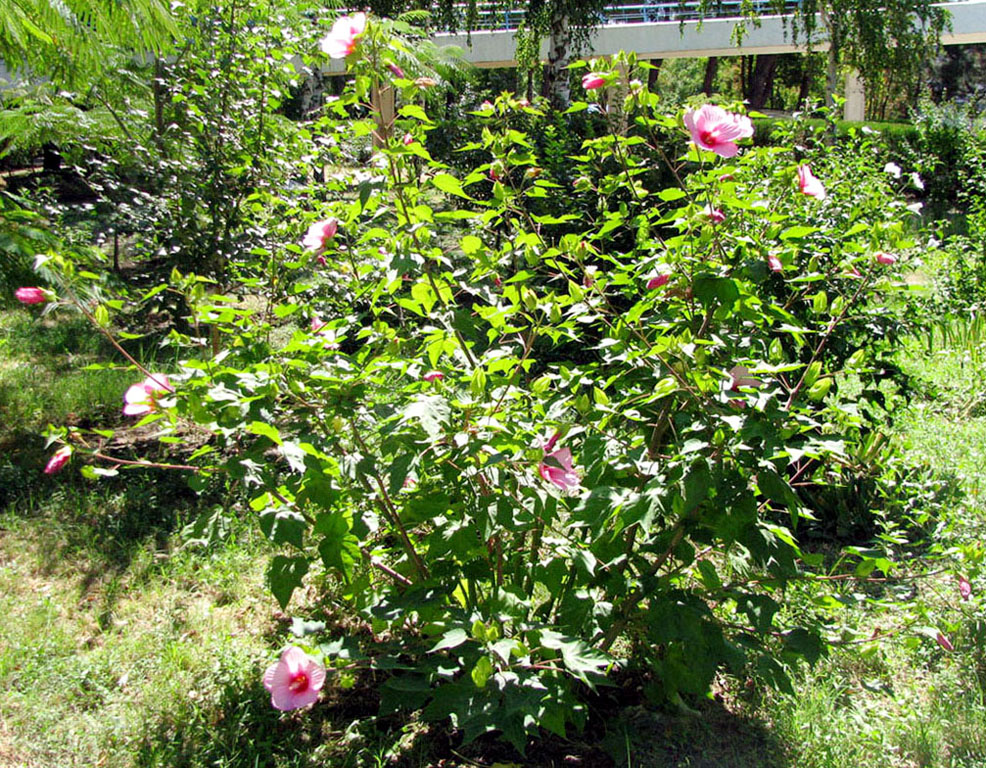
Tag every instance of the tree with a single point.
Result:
(68, 40)
(887, 42)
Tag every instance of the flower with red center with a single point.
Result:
(887, 259)
(320, 234)
(142, 398)
(717, 130)
(965, 588)
(808, 184)
(295, 680)
(556, 467)
(497, 170)
(592, 81)
(774, 263)
(657, 281)
(31, 295)
(345, 33)
(433, 376)
(715, 214)
(58, 460)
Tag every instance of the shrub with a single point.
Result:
(534, 447)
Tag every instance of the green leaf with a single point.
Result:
(451, 639)
(285, 575)
(482, 671)
(449, 184)
(265, 430)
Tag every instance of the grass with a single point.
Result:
(121, 646)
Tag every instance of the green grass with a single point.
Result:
(120, 646)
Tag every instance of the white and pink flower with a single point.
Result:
(143, 398)
(717, 130)
(344, 35)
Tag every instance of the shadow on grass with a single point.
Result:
(96, 528)
(243, 731)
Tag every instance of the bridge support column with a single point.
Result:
(855, 106)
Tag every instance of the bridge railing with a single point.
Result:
(490, 18)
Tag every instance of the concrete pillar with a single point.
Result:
(855, 106)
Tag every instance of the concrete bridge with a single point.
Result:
(665, 30)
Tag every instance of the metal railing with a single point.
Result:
(642, 13)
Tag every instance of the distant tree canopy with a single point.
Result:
(68, 40)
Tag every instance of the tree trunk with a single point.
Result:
(555, 87)
(711, 67)
(760, 84)
(652, 74)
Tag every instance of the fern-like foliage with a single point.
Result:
(67, 40)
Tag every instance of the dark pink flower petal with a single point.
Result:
(31, 295)
(657, 281)
(887, 259)
(58, 460)
(965, 588)
(944, 642)
(433, 376)
(592, 81)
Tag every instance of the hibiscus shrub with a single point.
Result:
(529, 448)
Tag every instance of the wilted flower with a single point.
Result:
(58, 460)
(320, 234)
(944, 642)
(295, 680)
(739, 376)
(556, 467)
(341, 40)
(657, 281)
(433, 376)
(142, 398)
(31, 295)
(887, 259)
(425, 82)
(395, 70)
(715, 129)
(317, 324)
(592, 81)
(809, 184)
(774, 263)
(893, 169)
(965, 588)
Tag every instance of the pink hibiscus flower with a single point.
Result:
(341, 40)
(715, 129)
(295, 680)
(143, 398)
(31, 295)
(809, 184)
(320, 234)
(58, 460)
(556, 467)
(592, 81)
